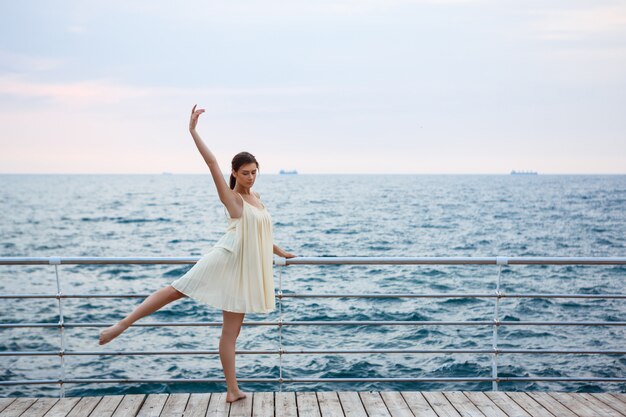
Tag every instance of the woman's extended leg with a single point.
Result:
(151, 304)
(230, 330)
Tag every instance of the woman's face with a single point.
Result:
(246, 175)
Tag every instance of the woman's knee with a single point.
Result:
(231, 331)
(229, 334)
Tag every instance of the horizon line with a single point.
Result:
(311, 173)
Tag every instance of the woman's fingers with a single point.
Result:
(194, 116)
(195, 112)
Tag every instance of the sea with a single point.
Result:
(323, 215)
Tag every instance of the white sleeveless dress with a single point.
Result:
(236, 274)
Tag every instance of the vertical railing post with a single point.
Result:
(500, 260)
(56, 261)
(282, 262)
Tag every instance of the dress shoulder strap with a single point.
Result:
(243, 209)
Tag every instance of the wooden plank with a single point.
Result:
(395, 403)
(440, 404)
(351, 404)
(374, 404)
(175, 405)
(418, 404)
(153, 405)
(41, 406)
(619, 396)
(462, 404)
(307, 404)
(329, 404)
(198, 404)
(531, 406)
(107, 405)
(600, 404)
(84, 407)
(505, 403)
(242, 407)
(17, 407)
(484, 404)
(4, 402)
(218, 406)
(285, 404)
(263, 404)
(62, 407)
(597, 405)
(611, 401)
(130, 405)
(551, 404)
(573, 404)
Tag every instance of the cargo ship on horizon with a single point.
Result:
(514, 172)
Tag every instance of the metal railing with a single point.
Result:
(495, 351)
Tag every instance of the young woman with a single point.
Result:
(236, 275)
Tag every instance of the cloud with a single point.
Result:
(364, 6)
(80, 92)
(203, 11)
(579, 23)
(76, 29)
(16, 62)
(108, 92)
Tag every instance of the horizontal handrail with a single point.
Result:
(335, 323)
(332, 260)
(302, 380)
(347, 295)
(458, 260)
(317, 352)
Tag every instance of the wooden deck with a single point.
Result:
(326, 404)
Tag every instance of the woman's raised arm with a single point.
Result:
(233, 204)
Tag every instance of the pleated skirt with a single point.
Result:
(217, 280)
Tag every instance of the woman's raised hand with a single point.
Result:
(195, 114)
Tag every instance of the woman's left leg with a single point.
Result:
(154, 302)
(230, 330)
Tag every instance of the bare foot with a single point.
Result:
(111, 333)
(234, 396)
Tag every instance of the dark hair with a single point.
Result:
(240, 159)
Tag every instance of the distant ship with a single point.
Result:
(283, 172)
(514, 172)
(166, 173)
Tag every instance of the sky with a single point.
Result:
(324, 86)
